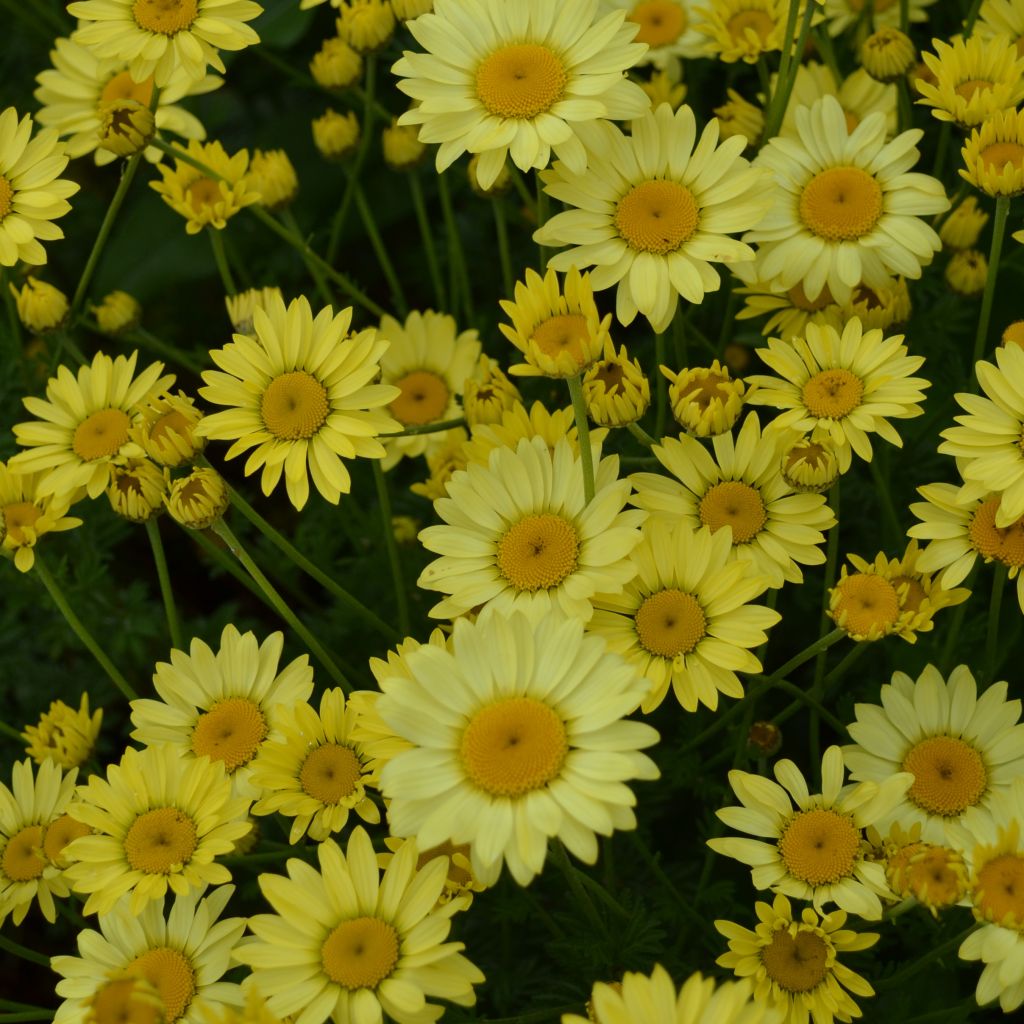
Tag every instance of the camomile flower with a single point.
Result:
(859, 95)
(841, 386)
(183, 957)
(159, 37)
(876, 308)
(811, 847)
(930, 873)
(654, 210)
(918, 591)
(667, 27)
(743, 29)
(517, 78)
(64, 734)
(794, 961)
(844, 14)
(300, 393)
(518, 533)
(789, 308)
(705, 400)
(159, 822)
(25, 515)
(222, 705)
(518, 737)
(868, 604)
(685, 620)
(85, 424)
(347, 943)
(846, 207)
(774, 530)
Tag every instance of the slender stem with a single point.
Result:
(104, 233)
(972, 17)
(884, 492)
(235, 546)
(955, 625)
(998, 230)
(12, 732)
(221, 259)
(384, 500)
(10, 1004)
(17, 949)
(459, 278)
(519, 183)
(428, 428)
(537, 1016)
(77, 627)
(808, 698)
(289, 221)
(569, 872)
(170, 609)
(26, 1015)
(381, 252)
(897, 979)
(427, 238)
(661, 386)
(992, 629)
(831, 562)
(823, 643)
(722, 719)
(640, 434)
(787, 78)
(504, 253)
(905, 112)
(764, 77)
(904, 19)
(823, 42)
(942, 149)
(772, 99)
(141, 337)
(840, 670)
(579, 411)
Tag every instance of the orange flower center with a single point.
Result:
(1003, 543)
(330, 773)
(539, 552)
(123, 87)
(424, 398)
(6, 197)
(101, 435)
(661, 22)
(833, 394)
(18, 517)
(820, 847)
(657, 216)
(736, 505)
(165, 17)
(231, 732)
(520, 81)
(294, 406)
(360, 953)
(160, 841)
(171, 974)
(949, 775)
(999, 891)
(796, 963)
(670, 623)
(841, 204)
(998, 154)
(21, 861)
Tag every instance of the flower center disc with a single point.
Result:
(796, 963)
(1006, 543)
(868, 601)
(20, 862)
(820, 846)
(657, 216)
(935, 877)
(6, 197)
(127, 1001)
(914, 595)
(18, 517)
(538, 552)
(167, 17)
(330, 773)
(61, 832)
(171, 974)
(833, 394)
(670, 623)
(294, 406)
(999, 154)
(971, 86)
(514, 746)
(661, 22)
(231, 731)
(999, 892)
(101, 435)
(520, 81)
(160, 841)
(610, 375)
(736, 505)
(123, 87)
(203, 193)
(758, 22)
(567, 332)
(171, 423)
(841, 204)
(704, 391)
(360, 953)
(949, 775)
(424, 398)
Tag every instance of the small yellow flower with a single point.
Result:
(366, 25)
(460, 884)
(167, 429)
(243, 306)
(405, 529)
(25, 515)
(41, 306)
(63, 734)
(489, 394)
(663, 89)
(402, 147)
(994, 155)
(336, 135)
(117, 312)
(877, 308)
(137, 490)
(963, 227)
(967, 272)
(866, 604)
(810, 465)
(743, 29)
(888, 54)
(336, 65)
(198, 500)
(272, 175)
(738, 116)
(616, 389)
(501, 184)
(706, 401)
(934, 875)
(126, 127)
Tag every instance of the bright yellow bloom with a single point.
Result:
(138, 489)
(858, 94)
(166, 429)
(963, 227)
(743, 29)
(25, 515)
(888, 54)
(41, 306)
(63, 734)
(993, 154)
(336, 135)
(366, 25)
(867, 604)
(488, 394)
(615, 388)
(706, 401)
(118, 311)
(844, 14)
(667, 27)
(198, 500)
(272, 175)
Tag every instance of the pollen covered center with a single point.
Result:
(203, 193)
(934, 876)
(294, 406)
(566, 333)
(796, 963)
(18, 517)
(758, 22)
(661, 22)
(360, 953)
(657, 216)
(514, 746)
(967, 90)
(101, 435)
(123, 87)
(171, 974)
(424, 398)
(538, 552)
(21, 861)
(6, 197)
(231, 731)
(736, 505)
(127, 1001)
(160, 841)
(833, 394)
(841, 204)
(949, 775)
(520, 81)
(866, 602)
(330, 773)
(670, 623)
(820, 846)
(999, 890)
(165, 17)
(1003, 543)
(61, 832)
(999, 154)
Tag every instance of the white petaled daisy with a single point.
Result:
(962, 749)
(815, 849)
(519, 534)
(667, 27)
(654, 210)
(515, 78)
(518, 737)
(774, 529)
(846, 207)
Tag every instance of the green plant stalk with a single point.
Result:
(9, 730)
(786, 55)
(23, 952)
(504, 253)
(26, 1015)
(221, 259)
(428, 428)
(885, 499)
(992, 627)
(787, 79)
(831, 564)
(561, 860)
(222, 530)
(144, 339)
(394, 561)
(804, 697)
(722, 719)
(427, 238)
(641, 435)
(905, 110)
(823, 643)
(166, 593)
(897, 979)
(764, 76)
(579, 411)
(381, 252)
(78, 628)
(289, 221)
(972, 17)
(660, 385)
(537, 1016)
(823, 42)
(904, 20)
(458, 283)
(998, 231)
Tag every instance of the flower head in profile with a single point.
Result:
(64, 734)
(26, 515)
(616, 389)
(706, 401)
(993, 155)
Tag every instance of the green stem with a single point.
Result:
(18, 950)
(942, 149)
(77, 627)
(560, 858)
(222, 530)
(998, 230)
(395, 562)
(786, 56)
(289, 221)
(661, 386)
(427, 239)
(26, 1015)
(170, 609)
(12, 732)
(381, 252)
(579, 411)
(764, 77)
(537, 1016)
(823, 643)
(722, 719)
(141, 337)
(640, 434)
(221, 259)
(897, 979)
(992, 629)
(504, 253)
(972, 17)
(831, 563)
(807, 698)
(884, 493)
(905, 111)
(904, 22)
(458, 284)
(428, 428)
(823, 42)
(787, 77)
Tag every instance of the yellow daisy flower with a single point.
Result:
(359, 945)
(316, 773)
(159, 822)
(510, 78)
(791, 311)
(661, 87)
(198, 500)
(25, 515)
(159, 37)
(32, 196)
(858, 94)
(166, 429)
(242, 307)
(561, 699)
(844, 14)
(183, 957)
(846, 207)
(460, 883)
(616, 389)
(774, 530)
(738, 116)
(794, 961)
(705, 400)
(428, 359)
(869, 605)
(138, 489)
(743, 29)
(225, 704)
(64, 734)
(654, 210)
(919, 591)
(809, 465)
(932, 874)
(1001, 18)
(815, 847)
(876, 308)
(518, 534)
(993, 155)
(84, 426)
(300, 394)
(667, 27)
(488, 394)
(963, 226)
